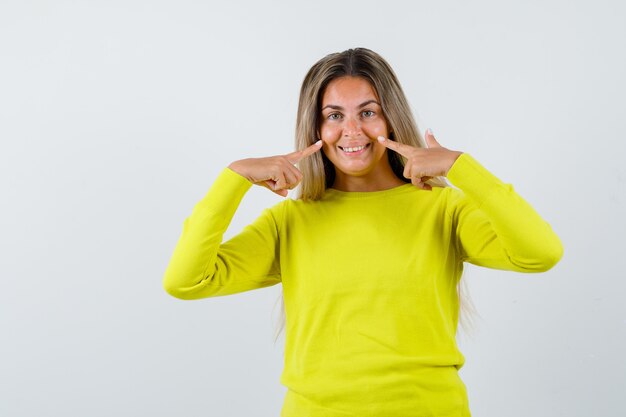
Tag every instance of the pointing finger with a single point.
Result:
(403, 149)
(296, 156)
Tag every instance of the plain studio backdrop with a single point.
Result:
(117, 116)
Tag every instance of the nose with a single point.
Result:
(351, 127)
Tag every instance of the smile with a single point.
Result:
(356, 150)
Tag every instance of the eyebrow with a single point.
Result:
(365, 103)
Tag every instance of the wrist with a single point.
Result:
(454, 158)
(236, 166)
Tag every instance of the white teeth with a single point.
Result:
(358, 148)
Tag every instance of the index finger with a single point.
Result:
(402, 148)
(296, 156)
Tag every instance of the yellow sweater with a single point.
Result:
(369, 283)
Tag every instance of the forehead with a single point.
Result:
(348, 90)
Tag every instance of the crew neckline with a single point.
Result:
(368, 194)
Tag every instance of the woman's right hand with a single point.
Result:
(276, 173)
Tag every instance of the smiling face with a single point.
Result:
(352, 119)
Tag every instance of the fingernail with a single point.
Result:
(381, 139)
(430, 131)
(318, 142)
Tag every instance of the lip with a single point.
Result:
(351, 154)
(353, 145)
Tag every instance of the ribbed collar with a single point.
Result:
(336, 194)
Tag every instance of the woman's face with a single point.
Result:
(352, 119)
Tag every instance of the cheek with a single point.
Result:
(330, 133)
(374, 130)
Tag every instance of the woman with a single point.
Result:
(371, 251)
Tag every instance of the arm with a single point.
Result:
(202, 266)
(495, 227)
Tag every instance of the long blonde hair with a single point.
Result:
(318, 171)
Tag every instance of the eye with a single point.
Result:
(367, 113)
(334, 116)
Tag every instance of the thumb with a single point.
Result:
(271, 185)
(277, 186)
(431, 142)
(283, 193)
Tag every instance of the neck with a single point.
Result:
(376, 180)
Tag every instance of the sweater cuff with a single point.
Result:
(228, 183)
(474, 179)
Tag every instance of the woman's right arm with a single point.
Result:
(201, 265)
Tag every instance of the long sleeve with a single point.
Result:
(202, 266)
(495, 227)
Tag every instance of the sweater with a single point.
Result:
(369, 281)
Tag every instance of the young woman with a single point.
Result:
(370, 253)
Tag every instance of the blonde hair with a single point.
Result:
(318, 171)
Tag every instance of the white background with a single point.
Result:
(116, 117)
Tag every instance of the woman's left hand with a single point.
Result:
(423, 164)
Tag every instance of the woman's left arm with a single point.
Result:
(494, 226)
